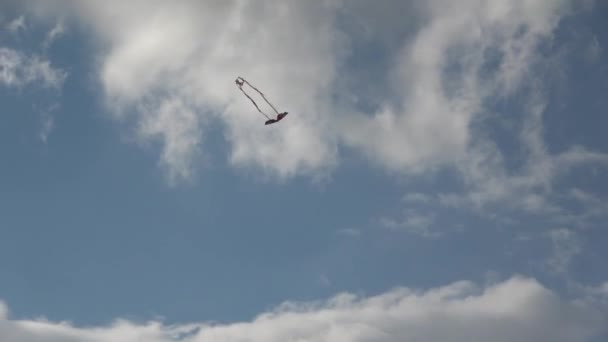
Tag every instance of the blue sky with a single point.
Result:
(441, 164)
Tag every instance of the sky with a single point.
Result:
(441, 175)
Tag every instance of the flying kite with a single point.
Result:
(240, 82)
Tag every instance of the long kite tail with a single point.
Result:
(241, 81)
(255, 104)
(262, 94)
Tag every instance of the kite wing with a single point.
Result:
(279, 118)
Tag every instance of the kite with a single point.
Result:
(240, 82)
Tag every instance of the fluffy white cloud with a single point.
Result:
(518, 309)
(158, 53)
(443, 65)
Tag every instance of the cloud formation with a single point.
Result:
(412, 94)
(18, 70)
(566, 245)
(518, 309)
(158, 55)
(439, 71)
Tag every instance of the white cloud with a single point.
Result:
(16, 25)
(415, 223)
(442, 70)
(18, 70)
(518, 309)
(178, 128)
(593, 208)
(416, 197)
(469, 55)
(595, 293)
(190, 53)
(324, 280)
(602, 290)
(47, 125)
(530, 187)
(466, 53)
(349, 232)
(594, 51)
(578, 155)
(566, 245)
(55, 33)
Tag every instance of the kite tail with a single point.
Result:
(241, 81)
(255, 104)
(262, 94)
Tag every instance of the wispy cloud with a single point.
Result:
(566, 244)
(414, 222)
(47, 126)
(417, 197)
(350, 232)
(177, 127)
(18, 70)
(16, 25)
(55, 33)
(450, 75)
(594, 51)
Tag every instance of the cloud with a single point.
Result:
(593, 209)
(594, 51)
(531, 189)
(439, 71)
(349, 232)
(156, 53)
(324, 281)
(415, 223)
(177, 127)
(3, 311)
(18, 70)
(490, 54)
(416, 197)
(47, 123)
(433, 81)
(566, 244)
(16, 25)
(55, 33)
(518, 309)
(600, 291)
(462, 56)
(46, 127)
